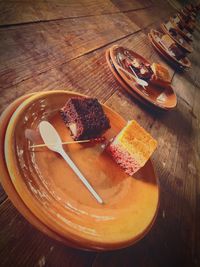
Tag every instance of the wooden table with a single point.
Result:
(46, 45)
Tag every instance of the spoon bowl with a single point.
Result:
(50, 136)
(138, 80)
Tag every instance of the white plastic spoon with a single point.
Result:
(138, 80)
(52, 140)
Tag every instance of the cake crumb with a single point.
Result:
(163, 214)
(42, 261)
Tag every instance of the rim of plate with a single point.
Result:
(36, 209)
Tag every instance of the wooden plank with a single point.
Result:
(95, 85)
(193, 74)
(46, 45)
(186, 81)
(170, 242)
(144, 17)
(195, 111)
(88, 74)
(17, 12)
(176, 4)
(184, 88)
(196, 151)
(49, 51)
(3, 195)
(29, 50)
(174, 239)
(13, 12)
(22, 245)
(93, 76)
(131, 5)
(21, 64)
(176, 164)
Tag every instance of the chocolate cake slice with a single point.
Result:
(85, 118)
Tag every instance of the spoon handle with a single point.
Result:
(80, 175)
(128, 73)
(144, 91)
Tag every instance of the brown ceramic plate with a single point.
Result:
(54, 194)
(121, 81)
(5, 178)
(184, 44)
(184, 33)
(162, 97)
(153, 37)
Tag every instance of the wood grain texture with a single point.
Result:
(25, 246)
(195, 112)
(196, 151)
(2, 194)
(18, 12)
(31, 59)
(143, 18)
(177, 178)
(100, 84)
(93, 76)
(70, 53)
(30, 50)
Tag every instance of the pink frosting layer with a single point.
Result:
(124, 158)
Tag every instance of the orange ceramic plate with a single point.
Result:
(56, 196)
(162, 97)
(5, 178)
(125, 85)
(121, 81)
(185, 46)
(184, 63)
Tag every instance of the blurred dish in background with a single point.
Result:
(166, 46)
(159, 91)
(175, 35)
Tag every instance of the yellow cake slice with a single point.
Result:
(132, 147)
(167, 40)
(160, 75)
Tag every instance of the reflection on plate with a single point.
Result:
(58, 199)
(155, 39)
(151, 93)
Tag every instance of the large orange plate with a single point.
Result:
(55, 195)
(162, 97)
